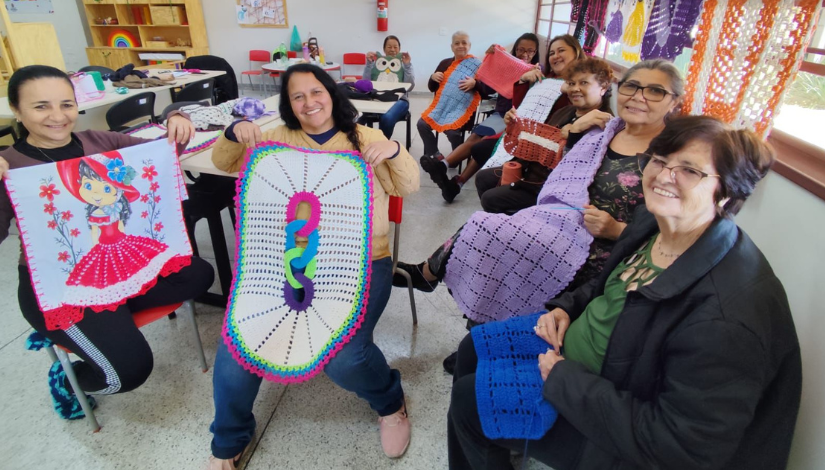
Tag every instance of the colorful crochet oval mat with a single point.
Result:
(202, 140)
(100, 229)
(452, 108)
(303, 259)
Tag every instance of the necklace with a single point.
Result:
(52, 159)
(662, 253)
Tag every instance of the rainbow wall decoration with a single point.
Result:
(123, 38)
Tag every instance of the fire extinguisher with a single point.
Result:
(383, 17)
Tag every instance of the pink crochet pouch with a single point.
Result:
(500, 71)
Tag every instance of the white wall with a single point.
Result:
(350, 26)
(788, 224)
(67, 24)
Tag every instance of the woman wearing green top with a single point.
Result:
(682, 353)
(394, 66)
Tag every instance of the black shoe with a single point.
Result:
(449, 363)
(450, 189)
(416, 273)
(436, 170)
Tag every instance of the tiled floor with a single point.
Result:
(165, 423)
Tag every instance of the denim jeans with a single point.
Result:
(358, 367)
(389, 119)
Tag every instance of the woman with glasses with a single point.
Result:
(681, 354)
(526, 49)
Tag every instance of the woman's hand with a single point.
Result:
(600, 224)
(551, 327)
(546, 363)
(593, 118)
(4, 167)
(377, 152)
(437, 77)
(180, 129)
(372, 56)
(247, 133)
(405, 57)
(490, 49)
(533, 75)
(510, 116)
(565, 131)
(467, 84)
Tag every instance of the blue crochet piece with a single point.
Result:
(453, 105)
(36, 342)
(508, 381)
(65, 403)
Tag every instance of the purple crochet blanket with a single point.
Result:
(668, 31)
(505, 266)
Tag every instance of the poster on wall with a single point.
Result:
(261, 13)
(29, 6)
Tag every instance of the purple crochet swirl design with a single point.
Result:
(668, 31)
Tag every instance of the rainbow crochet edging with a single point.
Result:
(291, 307)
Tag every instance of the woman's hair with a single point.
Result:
(740, 157)
(677, 83)
(28, 73)
(528, 37)
(388, 38)
(344, 113)
(598, 67)
(570, 41)
(86, 171)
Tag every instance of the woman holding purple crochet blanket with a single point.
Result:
(681, 354)
(582, 209)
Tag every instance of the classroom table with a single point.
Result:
(381, 107)
(95, 117)
(277, 67)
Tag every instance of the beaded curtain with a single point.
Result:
(301, 281)
(99, 230)
(745, 55)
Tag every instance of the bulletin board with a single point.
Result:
(261, 13)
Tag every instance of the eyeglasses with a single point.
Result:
(650, 93)
(521, 50)
(685, 177)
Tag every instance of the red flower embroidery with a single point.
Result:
(52, 224)
(75, 232)
(144, 198)
(49, 208)
(63, 256)
(158, 227)
(49, 191)
(144, 214)
(149, 172)
(67, 215)
(157, 199)
(154, 186)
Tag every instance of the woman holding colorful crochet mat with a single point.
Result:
(393, 66)
(318, 117)
(685, 339)
(605, 155)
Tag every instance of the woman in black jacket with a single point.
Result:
(682, 353)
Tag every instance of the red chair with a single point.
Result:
(257, 56)
(395, 215)
(353, 58)
(142, 318)
(291, 55)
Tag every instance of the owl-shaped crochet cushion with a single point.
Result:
(388, 69)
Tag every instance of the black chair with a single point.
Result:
(200, 91)
(97, 68)
(371, 119)
(226, 86)
(131, 109)
(9, 129)
(174, 106)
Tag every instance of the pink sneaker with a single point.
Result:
(395, 433)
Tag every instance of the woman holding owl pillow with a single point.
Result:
(393, 66)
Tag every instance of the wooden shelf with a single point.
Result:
(130, 14)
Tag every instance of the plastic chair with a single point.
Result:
(468, 127)
(142, 318)
(257, 56)
(395, 215)
(131, 109)
(201, 91)
(372, 118)
(174, 106)
(97, 68)
(9, 129)
(353, 58)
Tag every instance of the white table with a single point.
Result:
(95, 117)
(276, 67)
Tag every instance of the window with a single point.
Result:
(553, 18)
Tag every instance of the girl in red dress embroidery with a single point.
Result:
(118, 265)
